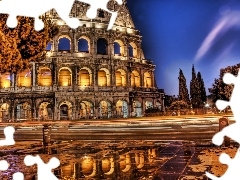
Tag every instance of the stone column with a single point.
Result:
(33, 76)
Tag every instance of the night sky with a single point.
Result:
(179, 33)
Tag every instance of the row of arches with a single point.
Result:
(66, 110)
(85, 78)
(84, 46)
(88, 166)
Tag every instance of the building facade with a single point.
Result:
(89, 72)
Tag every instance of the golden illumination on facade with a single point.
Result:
(86, 109)
(147, 80)
(84, 78)
(121, 79)
(4, 111)
(103, 77)
(65, 77)
(45, 77)
(135, 79)
(24, 79)
(5, 80)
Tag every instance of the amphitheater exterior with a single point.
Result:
(89, 73)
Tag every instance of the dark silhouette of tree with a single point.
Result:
(197, 90)
(201, 95)
(219, 89)
(183, 91)
(193, 88)
(22, 45)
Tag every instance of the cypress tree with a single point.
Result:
(183, 91)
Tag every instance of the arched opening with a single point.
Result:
(86, 110)
(24, 79)
(139, 159)
(88, 166)
(5, 80)
(135, 79)
(125, 162)
(85, 77)
(137, 109)
(24, 111)
(4, 112)
(45, 111)
(65, 110)
(49, 46)
(121, 78)
(132, 50)
(65, 77)
(105, 110)
(64, 44)
(44, 77)
(148, 104)
(103, 77)
(102, 46)
(122, 109)
(83, 45)
(147, 80)
(117, 48)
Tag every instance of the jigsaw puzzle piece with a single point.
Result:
(221, 104)
(232, 131)
(100, 4)
(63, 9)
(44, 170)
(233, 167)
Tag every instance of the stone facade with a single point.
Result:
(89, 73)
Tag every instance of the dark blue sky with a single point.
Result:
(179, 33)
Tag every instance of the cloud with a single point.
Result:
(225, 23)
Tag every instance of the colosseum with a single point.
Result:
(89, 73)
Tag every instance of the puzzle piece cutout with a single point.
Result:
(101, 4)
(44, 171)
(233, 167)
(9, 140)
(232, 131)
(34, 9)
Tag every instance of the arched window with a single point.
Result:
(64, 44)
(83, 45)
(117, 48)
(5, 80)
(49, 46)
(45, 77)
(65, 77)
(102, 78)
(147, 80)
(121, 79)
(102, 46)
(84, 78)
(122, 109)
(24, 79)
(130, 51)
(135, 79)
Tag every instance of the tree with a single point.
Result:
(219, 89)
(193, 88)
(183, 91)
(177, 105)
(22, 45)
(197, 90)
(201, 91)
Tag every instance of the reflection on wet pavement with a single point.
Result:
(119, 160)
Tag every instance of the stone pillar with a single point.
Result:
(143, 106)
(46, 134)
(33, 76)
(142, 78)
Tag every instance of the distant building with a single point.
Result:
(89, 73)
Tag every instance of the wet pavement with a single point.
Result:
(119, 160)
